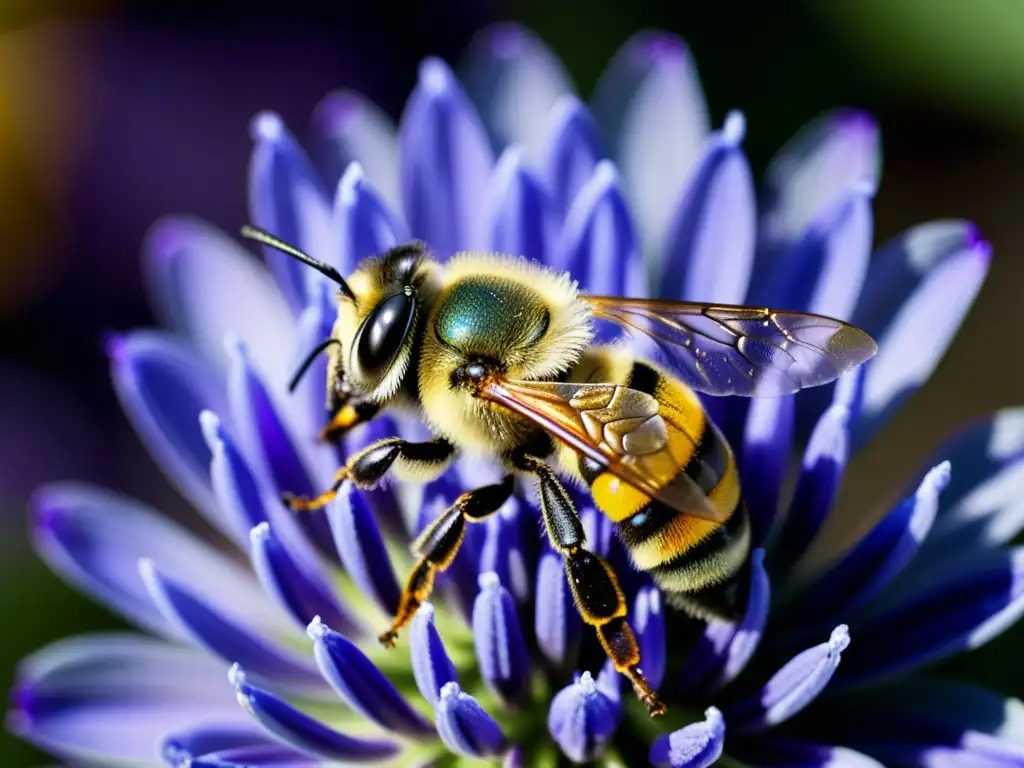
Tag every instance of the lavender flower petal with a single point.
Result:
(299, 587)
(598, 243)
(943, 611)
(878, 558)
(288, 199)
(573, 150)
(515, 80)
(94, 539)
(978, 450)
(823, 270)
(557, 623)
(502, 551)
(115, 696)
(266, 437)
(361, 548)
(225, 631)
(724, 648)
(349, 128)
(773, 753)
(220, 745)
(302, 731)
(238, 496)
(362, 223)
(430, 663)
(597, 529)
(822, 470)
(307, 403)
(240, 500)
(709, 248)
(698, 745)
(763, 458)
(520, 213)
(652, 110)
(188, 263)
(933, 722)
(500, 648)
(359, 683)
(792, 688)
(934, 285)
(649, 626)
(981, 507)
(748, 632)
(465, 728)
(276, 755)
(163, 386)
(445, 161)
(583, 719)
(815, 169)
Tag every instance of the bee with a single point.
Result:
(496, 355)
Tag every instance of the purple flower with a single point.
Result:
(276, 664)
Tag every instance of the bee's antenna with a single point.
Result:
(262, 236)
(314, 353)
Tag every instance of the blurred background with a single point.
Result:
(115, 113)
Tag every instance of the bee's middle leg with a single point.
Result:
(594, 585)
(419, 461)
(438, 545)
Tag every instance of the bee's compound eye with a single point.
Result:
(382, 334)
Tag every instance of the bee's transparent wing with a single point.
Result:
(736, 350)
(549, 406)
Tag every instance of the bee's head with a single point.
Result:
(380, 308)
(378, 328)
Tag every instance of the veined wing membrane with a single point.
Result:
(735, 350)
(549, 406)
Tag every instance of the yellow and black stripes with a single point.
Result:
(686, 554)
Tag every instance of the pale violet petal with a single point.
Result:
(515, 80)
(207, 287)
(572, 150)
(349, 128)
(163, 385)
(917, 294)
(94, 538)
(209, 619)
(650, 104)
(519, 210)
(709, 247)
(115, 697)
(815, 169)
(598, 242)
(288, 199)
(363, 224)
(445, 161)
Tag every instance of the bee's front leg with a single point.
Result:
(419, 461)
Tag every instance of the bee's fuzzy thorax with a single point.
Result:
(478, 426)
(570, 327)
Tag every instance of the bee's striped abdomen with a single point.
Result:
(695, 557)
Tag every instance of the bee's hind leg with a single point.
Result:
(594, 585)
(438, 545)
(419, 461)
